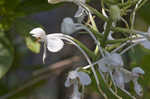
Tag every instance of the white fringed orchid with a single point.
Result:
(110, 63)
(51, 41)
(74, 78)
(83, 77)
(127, 76)
(134, 76)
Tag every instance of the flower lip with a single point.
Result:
(54, 43)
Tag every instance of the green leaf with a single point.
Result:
(32, 45)
(1, 2)
(11, 4)
(136, 54)
(24, 26)
(6, 55)
(144, 12)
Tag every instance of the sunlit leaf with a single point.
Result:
(32, 45)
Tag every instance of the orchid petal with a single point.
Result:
(115, 60)
(44, 53)
(138, 70)
(84, 78)
(148, 29)
(102, 67)
(146, 44)
(38, 32)
(73, 75)
(76, 94)
(67, 82)
(79, 12)
(138, 89)
(127, 76)
(119, 79)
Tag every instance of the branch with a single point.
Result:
(56, 68)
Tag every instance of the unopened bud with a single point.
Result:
(115, 12)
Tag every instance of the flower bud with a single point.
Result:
(115, 13)
(67, 26)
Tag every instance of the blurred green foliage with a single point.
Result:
(12, 17)
(13, 25)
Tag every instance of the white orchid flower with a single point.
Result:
(83, 77)
(74, 78)
(52, 42)
(133, 76)
(109, 64)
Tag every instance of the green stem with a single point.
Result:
(96, 33)
(87, 50)
(97, 13)
(117, 41)
(106, 32)
(142, 4)
(124, 30)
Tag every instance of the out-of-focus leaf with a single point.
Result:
(145, 82)
(23, 27)
(32, 45)
(1, 2)
(137, 53)
(6, 56)
(11, 4)
(144, 12)
(34, 6)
